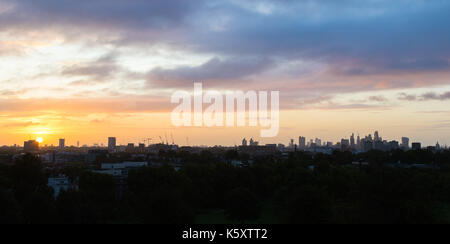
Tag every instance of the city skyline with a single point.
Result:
(354, 141)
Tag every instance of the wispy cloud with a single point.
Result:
(214, 72)
(425, 97)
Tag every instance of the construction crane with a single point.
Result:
(167, 141)
(162, 141)
(173, 141)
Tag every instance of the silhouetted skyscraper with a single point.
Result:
(358, 142)
(244, 142)
(405, 143)
(352, 140)
(111, 143)
(302, 142)
(130, 148)
(62, 143)
(318, 142)
(31, 146)
(376, 136)
(292, 144)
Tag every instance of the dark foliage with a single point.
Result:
(333, 191)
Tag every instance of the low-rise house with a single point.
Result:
(120, 169)
(61, 183)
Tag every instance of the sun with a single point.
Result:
(39, 139)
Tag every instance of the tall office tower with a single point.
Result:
(244, 142)
(31, 146)
(358, 142)
(352, 140)
(302, 142)
(130, 148)
(112, 143)
(62, 143)
(318, 142)
(376, 136)
(292, 144)
(141, 147)
(405, 142)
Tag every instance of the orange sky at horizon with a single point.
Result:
(329, 125)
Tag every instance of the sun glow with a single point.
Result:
(39, 139)
(41, 131)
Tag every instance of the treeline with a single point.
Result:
(332, 191)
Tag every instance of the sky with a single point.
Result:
(87, 70)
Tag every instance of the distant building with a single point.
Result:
(253, 143)
(31, 146)
(358, 142)
(112, 143)
(291, 144)
(130, 148)
(120, 169)
(379, 145)
(416, 146)
(94, 154)
(61, 183)
(244, 142)
(345, 144)
(62, 143)
(352, 141)
(141, 147)
(302, 142)
(318, 142)
(367, 144)
(393, 145)
(405, 143)
(431, 148)
(377, 136)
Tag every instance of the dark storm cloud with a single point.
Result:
(401, 38)
(134, 14)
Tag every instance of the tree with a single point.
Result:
(27, 176)
(9, 208)
(308, 205)
(242, 205)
